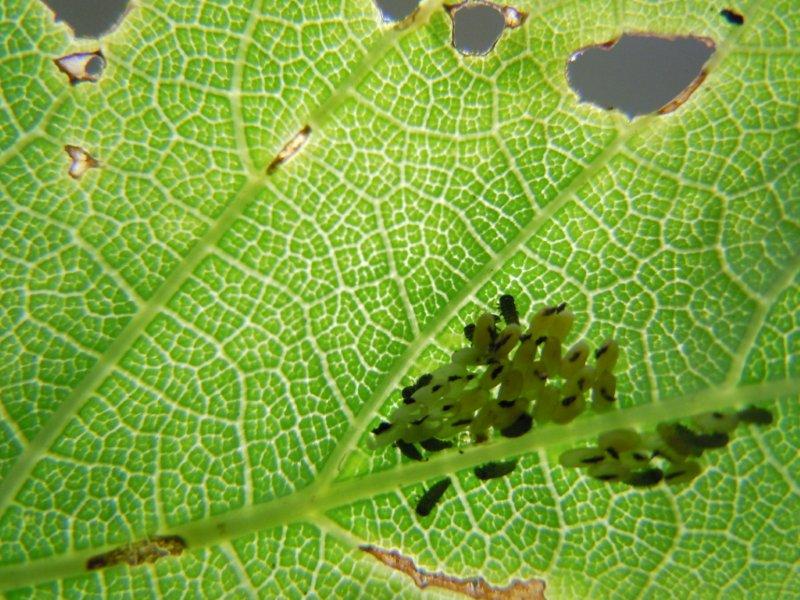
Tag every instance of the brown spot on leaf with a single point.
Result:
(146, 551)
(82, 161)
(292, 147)
(82, 66)
(473, 587)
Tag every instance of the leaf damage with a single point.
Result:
(472, 587)
(82, 161)
(82, 66)
(291, 148)
(146, 551)
(477, 26)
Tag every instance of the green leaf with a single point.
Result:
(193, 347)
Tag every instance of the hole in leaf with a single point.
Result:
(478, 25)
(638, 74)
(82, 161)
(732, 17)
(82, 66)
(145, 551)
(393, 11)
(473, 587)
(89, 18)
(290, 149)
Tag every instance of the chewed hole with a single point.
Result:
(639, 74)
(82, 66)
(393, 11)
(478, 25)
(89, 18)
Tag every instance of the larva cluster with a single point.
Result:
(668, 454)
(504, 380)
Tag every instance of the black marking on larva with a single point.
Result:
(408, 400)
(613, 452)
(601, 350)
(645, 478)
(540, 340)
(606, 395)
(407, 392)
(431, 496)
(568, 400)
(492, 470)
(519, 427)
(499, 343)
(561, 307)
(574, 356)
(436, 388)
(508, 309)
(753, 414)
(593, 460)
(550, 311)
(424, 380)
(454, 378)
(540, 374)
(496, 372)
(525, 337)
(506, 403)
(462, 422)
(673, 475)
(383, 426)
(711, 440)
(469, 331)
(731, 16)
(409, 450)
(435, 444)
(607, 477)
(470, 376)
(419, 421)
(447, 407)
(639, 456)
(718, 415)
(582, 383)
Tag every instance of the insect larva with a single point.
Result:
(679, 438)
(562, 323)
(581, 457)
(435, 444)
(604, 391)
(484, 333)
(608, 471)
(506, 341)
(508, 309)
(716, 422)
(622, 440)
(551, 355)
(519, 427)
(574, 360)
(753, 414)
(645, 478)
(606, 356)
(493, 470)
(431, 496)
(409, 450)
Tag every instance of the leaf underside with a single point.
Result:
(190, 346)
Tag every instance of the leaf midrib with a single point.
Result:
(311, 502)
